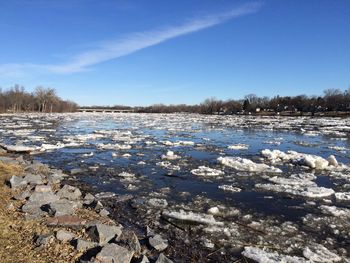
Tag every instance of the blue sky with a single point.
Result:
(107, 52)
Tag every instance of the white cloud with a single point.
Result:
(128, 45)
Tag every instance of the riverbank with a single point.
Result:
(43, 219)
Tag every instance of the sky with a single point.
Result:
(142, 52)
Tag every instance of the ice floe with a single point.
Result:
(192, 217)
(335, 211)
(229, 188)
(262, 256)
(242, 164)
(296, 158)
(207, 171)
(239, 146)
(320, 254)
(345, 196)
(170, 155)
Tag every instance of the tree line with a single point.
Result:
(17, 99)
(333, 100)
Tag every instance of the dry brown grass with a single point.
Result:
(7, 170)
(16, 234)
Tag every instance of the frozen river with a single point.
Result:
(244, 183)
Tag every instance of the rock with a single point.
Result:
(43, 240)
(33, 179)
(163, 259)
(37, 168)
(8, 160)
(88, 199)
(83, 245)
(112, 253)
(32, 210)
(64, 236)
(69, 192)
(102, 233)
(20, 159)
(54, 178)
(122, 198)
(22, 196)
(97, 206)
(104, 212)
(129, 240)
(43, 188)
(158, 243)
(149, 232)
(43, 198)
(62, 207)
(66, 221)
(17, 181)
(143, 259)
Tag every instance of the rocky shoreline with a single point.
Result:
(79, 219)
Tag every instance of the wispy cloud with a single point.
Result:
(130, 44)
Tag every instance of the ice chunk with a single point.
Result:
(320, 254)
(242, 164)
(126, 175)
(170, 155)
(262, 256)
(47, 147)
(332, 161)
(309, 160)
(298, 190)
(335, 211)
(206, 171)
(239, 146)
(20, 148)
(213, 210)
(192, 217)
(169, 165)
(229, 188)
(343, 196)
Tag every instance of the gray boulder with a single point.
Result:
(102, 233)
(8, 160)
(64, 236)
(69, 192)
(158, 243)
(112, 253)
(17, 181)
(83, 245)
(41, 188)
(44, 240)
(62, 207)
(163, 259)
(33, 210)
(129, 240)
(88, 199)
(54, 178)
(22, 196)
(33, 179)
(104, 212)
(143, 259)
(43, 198)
